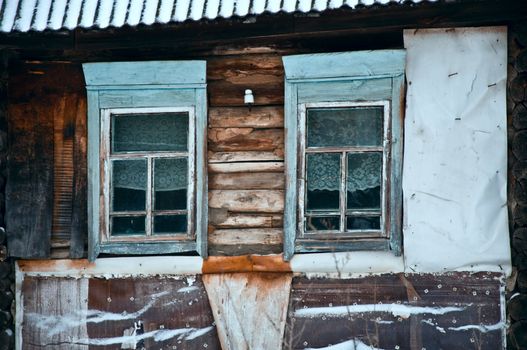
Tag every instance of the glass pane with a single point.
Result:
(363, 223)
(323, 181)
(129, 185)
(364, 180)
(170, 183)
(128, 225)
(338, 127)
(150, 132)
(170, 224)
(322, 223)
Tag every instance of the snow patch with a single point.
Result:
(353, 344)
(397, 310)
(481, 328)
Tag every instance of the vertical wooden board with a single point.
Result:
(410, 311)
(54, 313)
(29, 188)
(201, 173)
(249, 308)
(94, 175)
(79, 218)
(174, 312)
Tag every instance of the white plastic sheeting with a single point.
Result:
(455, 158)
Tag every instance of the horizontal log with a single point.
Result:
(248, 201)
(246, 181)
(519, 144)
(248, 156)
(270, 167)
(222, 218)
(519, 117)
(245, 139)
(246, 237)
(243, 117)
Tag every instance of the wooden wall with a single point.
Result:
(47, 127)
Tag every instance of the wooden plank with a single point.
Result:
(353, 90)
(259, 321)
(247, 181)
(228, 77)
(201, 173)
(271, 167)
(174, 313)
(146, 98)
(249, 236)
(248, 201)
(245, 139)
(79, 216)
(145, 73)
(291, 149)
(243, 117)
(222, 218)
(29, 188)
(406, 311)
(249, 156)
(54, 313)
(94, 175)
(345, 64)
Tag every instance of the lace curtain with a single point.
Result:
(170, 174)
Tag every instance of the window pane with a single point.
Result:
(150, 132)
(338, 127)
(322, 223)
(129, 179)
(323, 181)
(128, 225)
(363, 223)
(170, 224)
(364, 180)
(170, 183)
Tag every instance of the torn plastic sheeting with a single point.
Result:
(454, 177)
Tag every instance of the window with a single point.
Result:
(147, 188)
(343, 151)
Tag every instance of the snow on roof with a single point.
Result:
(39, 15)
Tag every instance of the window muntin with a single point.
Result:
(343, 157)
(148, 159)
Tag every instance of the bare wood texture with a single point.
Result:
(259, 321)
(228, 77)
(248, 236)
(221, 218)
(246, 167)
(246, 139)
(240, 117)
(261, 201)
(229, 157)
(246, 181)
(29, 189)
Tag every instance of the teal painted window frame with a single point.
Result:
(145, 87)
(342, 78)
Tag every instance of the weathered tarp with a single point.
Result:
(455, 158)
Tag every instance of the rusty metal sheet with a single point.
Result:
(168, 314)
(121, 313)
(413, 311)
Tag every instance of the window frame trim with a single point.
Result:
(301, 180)
(105, 177)
(344, 76)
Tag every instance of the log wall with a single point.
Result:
(517, 111)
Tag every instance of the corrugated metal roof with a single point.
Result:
(39, 15)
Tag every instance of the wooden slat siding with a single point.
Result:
(162, 304)
(260, 117)
(29, 188)
(201, 174)
(246, 181)
(247, 156)
(93, 186)
(64, 119)
(248, 201)
(64, 300)
(79, 218)
(396, 210)
(228, 77)
(246, 139)
(477, 296)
